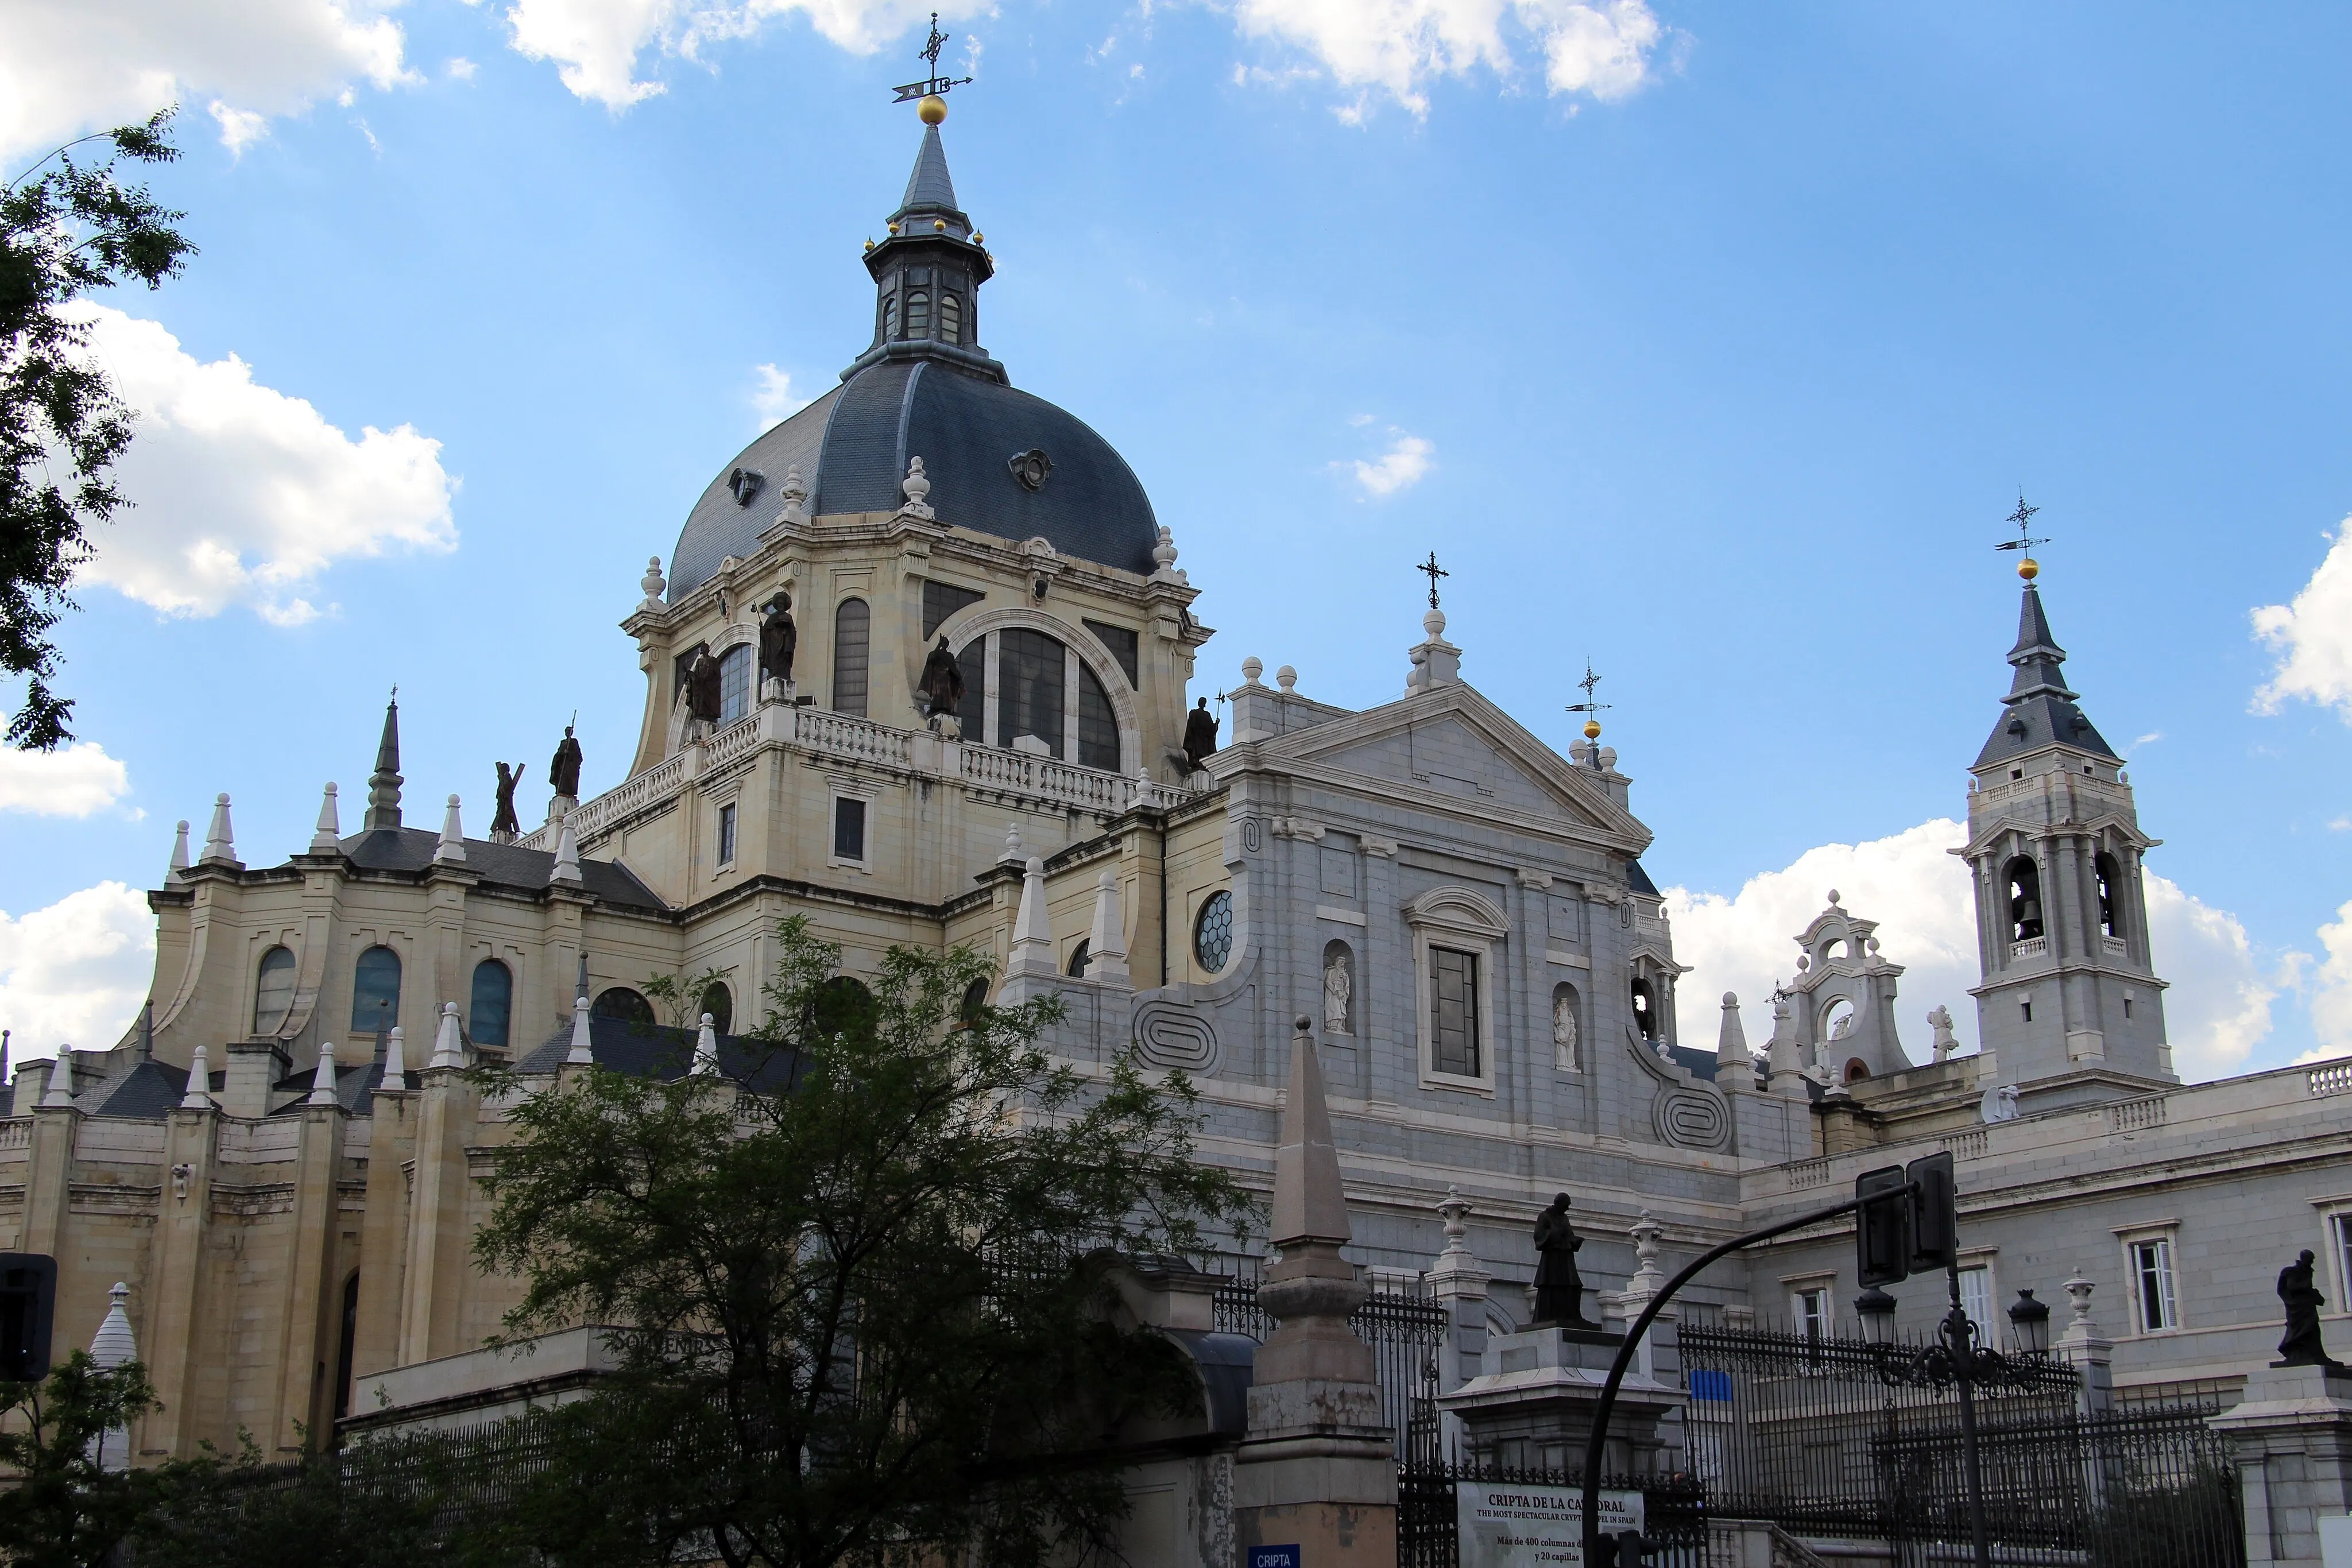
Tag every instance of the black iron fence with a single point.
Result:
(1407, 1333)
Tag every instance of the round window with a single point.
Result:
(1213, 931)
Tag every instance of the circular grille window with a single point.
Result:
(1213, 932)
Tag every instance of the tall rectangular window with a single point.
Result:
(734, 684)
(727, 834)
(851, 624)
(848, 829)
(1029, 668)
(1454, 1011)
(2341, 1226)
(1810, 1309)
(2152, 1282)
(1976, 1300)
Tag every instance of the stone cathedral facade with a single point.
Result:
(282, 1164)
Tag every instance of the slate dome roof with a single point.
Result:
(852, 446)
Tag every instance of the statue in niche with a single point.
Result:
(2302, 1347)
(1559, 1289)
(1563, 1031)
(705, 697)
(1336, 987)
(942, 682)
(503, 820)
(563, 772)
(779, 639)
(1200, 736)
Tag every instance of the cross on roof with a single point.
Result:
(1434, 571)
(2021, 516)
(933, 85)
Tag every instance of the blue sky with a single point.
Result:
(1711, 343)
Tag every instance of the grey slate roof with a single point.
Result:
(1639, 880)
(411, 850)
(144, 1091)
(657, 1051)
(927, 185)
(2040, 709)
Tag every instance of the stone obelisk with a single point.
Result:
(1317, 1471)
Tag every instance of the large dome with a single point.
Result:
(852, 447)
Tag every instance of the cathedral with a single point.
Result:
(918, 669)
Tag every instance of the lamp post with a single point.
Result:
(1958, 1361)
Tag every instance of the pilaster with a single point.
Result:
(176, 1272)
(48, 1176)
(383, 1230)
(438, 1235)
(305, 1333)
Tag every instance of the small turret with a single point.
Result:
(383, 784)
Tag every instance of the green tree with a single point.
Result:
(61, 1508)
(68, 227)
(370, 1505)
(864, 1289)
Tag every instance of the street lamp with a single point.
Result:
(2029, 1321)
(1875, 1308)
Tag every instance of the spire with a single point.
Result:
(179, 853)
(111, 1346)
(383, 784)
(395, 1065)
(329, 836)
(322, 1081)
(1032, 932)
(567, 857)
(583, 1053)
(1308, 1205)
(926, 275)
(451, 849)
(1735, 1069)
(220, 842)
(2041, 708)
(199, 1096)
(705, 1050)
(448, 1046)
(929, 190)
(1107, 942)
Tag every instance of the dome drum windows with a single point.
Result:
(853, 626)
(273, 992)
(375, 991)
(919, 313)
(950, 320)
(1028, 690)
(491, 1015)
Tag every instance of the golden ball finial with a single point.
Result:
(940, 225)
(933, 108)
(2029, 568)
(1591, 729)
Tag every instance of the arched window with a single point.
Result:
(273, 990)
(1213, 931)
(919, 313)
(844, 1006)
(2023, 883)
(1857, 1070)
(493, 1004)
(1077, 968)
(1837, 1019)
(975, 1001)
(375, 992)
(2110, 877)
(1645, 1010)
(889, 316)
(1029, 668)
(1339, 988)
(971, 714)
(620, 1002)
(1097, 725)
(853, 624)
(734, 684)
(950, 318)
(720, 1003)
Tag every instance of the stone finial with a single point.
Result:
(705, 1050)
(179, 853)
(1309, 1203)
(1014, 852)
(1107, 938)
(581, 1054)
(1455, 1211)
(1580, 753)
(112, 1345)
(330, 834)
(1735, 1067)
(2078, 1301)
(795, 495)
(1285, 677)
(1033, 933)
(653, 584)
(60, 1090)
(451, 849)
(1252, 668)
(1608, 758)
(199, 1096)
(567, 856)
(448, 1045)
(322, 1081)
(396, 1060)
(220, 846)
(1834, 899)
(1433, 622)
(1164, 558)
(917, 485)
(1648, 1278)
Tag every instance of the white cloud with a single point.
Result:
(1601, 48)
(773, 398)
(1403, 465)
(71, 65)
(76, 781)
(2331, 988)
(243, 494)
(239, 127)
(2312, 637)
(595, 44)
(75, 973)
(2217, 1010)
(460, 68)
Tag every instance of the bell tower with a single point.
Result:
(2053, 852)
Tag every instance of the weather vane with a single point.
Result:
(2024, 542)
(933, 85)
(1434, 571)
(1588, 706)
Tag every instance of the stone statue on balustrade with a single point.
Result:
(2301, 1297)
(1560, 1288)
(505, 827)
(780, 640)
(941, 685)
(564, 771)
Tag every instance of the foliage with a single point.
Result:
(373, 1505)
(66, 231)
(680, 996)
(866, 1317)
(2150, 1525)
(63, 1509)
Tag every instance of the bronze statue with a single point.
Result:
(2302, 1345)
(942, 682)
(779, 640)
(1200, 736)
(503, 820)
(705, 698)
(1559, 1289)
(563, 772)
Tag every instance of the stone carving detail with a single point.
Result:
(1169, 1036)
(1689, 1119)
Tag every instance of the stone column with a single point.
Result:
(1317, 1471)
(306, 1335)
(1459, 1280)
(2291, 1437)
(175, 1272)
(440, 1235)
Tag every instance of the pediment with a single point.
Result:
(1450, 747)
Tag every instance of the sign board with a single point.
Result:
(1273, 1557)
(1499, 1524)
